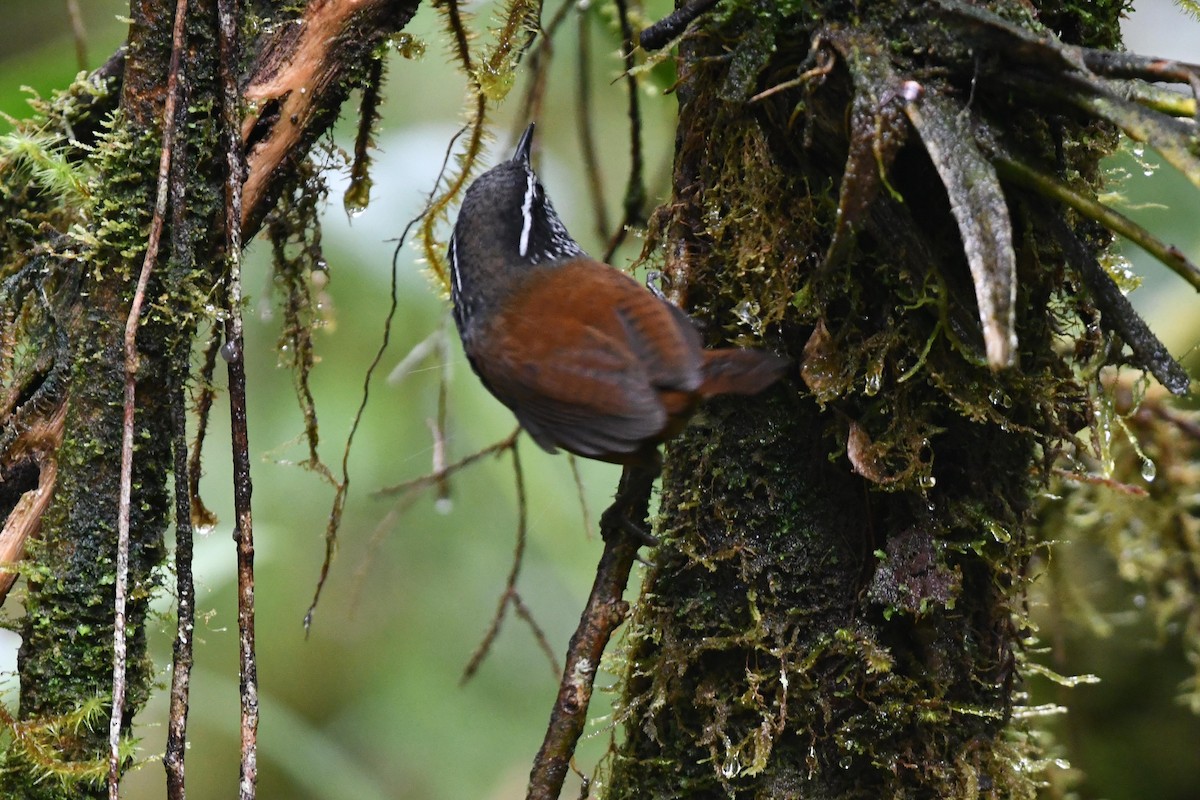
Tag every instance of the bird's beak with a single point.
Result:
(521, 156)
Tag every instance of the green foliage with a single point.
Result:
(45, 176)
(1190, 6)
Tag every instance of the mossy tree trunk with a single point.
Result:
(73, 238)
(66, 656)
(835, 610)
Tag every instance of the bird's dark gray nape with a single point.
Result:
(524, 146)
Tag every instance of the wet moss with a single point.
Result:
(836, 608)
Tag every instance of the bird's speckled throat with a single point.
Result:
(506, 224)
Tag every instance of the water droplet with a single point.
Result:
(998, 532)
(927, 481)
(357, 197)
(1149, 470)
(443, 505)
(747, 314)
(874, 379)
(408, 46)
(229, 350)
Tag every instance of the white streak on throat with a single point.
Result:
(527, 214)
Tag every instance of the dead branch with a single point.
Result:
(41, 439)
(298, 83)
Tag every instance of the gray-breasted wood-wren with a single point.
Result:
(588, 359)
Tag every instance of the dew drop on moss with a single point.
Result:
(1149, 470)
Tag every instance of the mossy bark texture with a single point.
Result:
(72, 245)
(835, 610)
(67, 636)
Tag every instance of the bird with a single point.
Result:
(588, 360)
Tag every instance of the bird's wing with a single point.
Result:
(592, 381)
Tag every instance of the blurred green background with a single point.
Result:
(370, 705)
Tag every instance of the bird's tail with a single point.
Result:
(733, 371)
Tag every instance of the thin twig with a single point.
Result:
(514, 572)
(604, 611)
(635, 190)
(539, 60)
(1147, 68)
(228, 24)
(343, 487)
(1170, 255)
(185, 590)
(1100, 480)
(539, 634)
(587, 139)
(437, 477)
(409, 492)
(1116, 312)
(660, 34)
(120, 591)
(370, 557)
(78, 33)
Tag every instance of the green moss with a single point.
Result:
(836, 606)
(75, 293)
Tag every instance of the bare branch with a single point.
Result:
(228, 24)
(185, 623)
(605, 610)
(635, 190)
